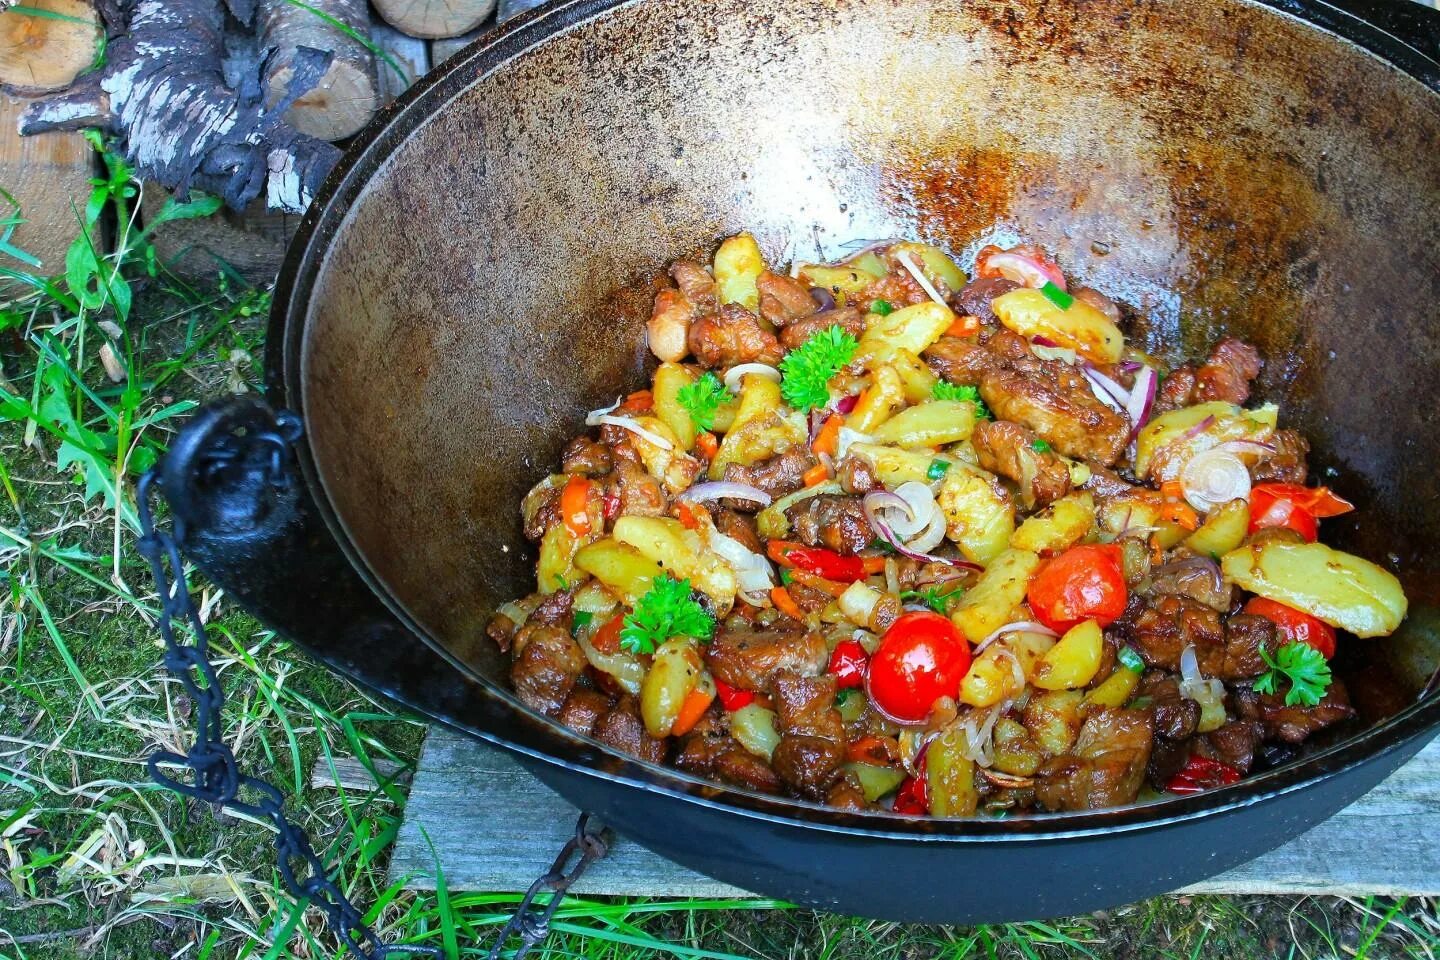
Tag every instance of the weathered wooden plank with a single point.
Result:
(494, 828)
(49, 176)
(353, 776)
(252, 243)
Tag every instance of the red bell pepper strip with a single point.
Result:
(816, 560)
(1200, 774)
(731, 698)
(913, 797)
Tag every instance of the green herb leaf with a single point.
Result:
(1040, 446)
(582, 620)
(1303, 666)
(701, 399)
(937, 598)
(1057, 296)
(667, 610)
(786, 576)
(1130, 660)
(944, 390)
(807, 370)
(881, 307)
(937, 469)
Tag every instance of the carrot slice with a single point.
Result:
(573, 505)
(873, 564)
(815, 475)
(707, 446)
(827, 441)
(964, 326)
(786, 604)
(696, 702)
(687, 516)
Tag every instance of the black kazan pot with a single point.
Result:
(472, 280)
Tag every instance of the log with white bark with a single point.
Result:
(410, 55)
(163, 89)
(347, 96)
(46, 44)
(434, 19)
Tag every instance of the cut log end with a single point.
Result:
(435, 19)
(339, 106)
(48, 43)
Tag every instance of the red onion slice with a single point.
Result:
(847, 404)
(1142, 400)
(1246, 446)
(889, 537)
(625, 423)
(1017, 626)
(1107, 391)
(1026, 271)
(724, 489)
(920, 278)
(1198, 429)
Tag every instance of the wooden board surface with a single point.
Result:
(495, 828)
(49, 175)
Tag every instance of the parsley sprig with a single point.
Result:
(701, 398)
(807, 370)
(945, 390)
(936, 598)
(667, 610)
(1303, 666)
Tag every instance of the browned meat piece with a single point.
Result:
(1169, 624)
(1227, 374)
(1049, 397)
(1195, 577)
(583, 709)
(1287, 464)
(1167, 758)
(740, 528)
(1245, 636)
(835, 522)
(586, 456)
(812, 735)
(783, 299)
(781, 474)
(556, 610)
(896, 288)
(846, 796)
(540, 510)
(547, 664)
(1235, 744)
(808, 598)
(856, 475)
(723, 758)
(797, 332)
(975, 297)
(1009, 449)
(732, 335)
(1106, 484)
(623, 730)
(668, 329)
(1175, 390)
(750, 660)
(1174, 716)
(695, 283)
(1106, 766)
(641, 495)
(960, 361)
(1294, 724)
(501, 629)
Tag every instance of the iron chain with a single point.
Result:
(215, 773)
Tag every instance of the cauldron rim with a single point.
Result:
(557, 745)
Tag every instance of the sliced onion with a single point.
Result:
(595, 417)
(1142, 400)
(846, 438)
(1016, 670)
(1198, 429)
(1107, 391)
(1198, 578)
(725, 489)
(922, 508)
(1026, 271)
(1258, 447)
(1017, 626)
(931, 536)
(823, 298)
(853, 249)
(752, 571)
(1193, 685)
(979, 727)
(625, 423)
(1063, 354)
(920, 278)
(1130, 366)
(738, 372)
(1214, 477)
(904, 525)
(889, 537)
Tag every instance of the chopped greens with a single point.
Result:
(807, 370)
(945, 390)
(701, 399)
(1040, 446)
(937, 469)
(881, 307)
(1057, 296)
(582, 620)
(1303, 666)
(936, 597)
(667, 610)
(1130, 660)
(786, 576)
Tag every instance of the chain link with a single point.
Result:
(215, 773)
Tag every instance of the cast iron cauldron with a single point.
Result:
(474, 277)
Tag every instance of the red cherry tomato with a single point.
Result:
(913, 797)
(1083, 583)
(848, 663)
(1295, 625)
(1293, 506)
(1200, 774)
(921, 658)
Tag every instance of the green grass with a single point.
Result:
(96, 862)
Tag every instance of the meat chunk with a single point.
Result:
(623, 730)
(846, 796)
(547, 663)
(583, 709)
(783, 299)
(812, 735)
(1009, 450)
(797, 332)
(1195, 577)
(750, 660)
(1049, 397)
(896, 288)
(1287, 464)
(585, 456)
(740, 528)
(1176, 390)
(1235, 743)
(502, 629)
(1227, 374)
(668, 329)
(1106, 766)
(1296, 723)
(856, 475)
(975, 297)
(540, 509)
(832, 521)
(638, 493)
(960, 361)
(695, 283)
(1174, 716)
(732, 335)
(781, 474)
(1245, 636)
(1169, 624)
(556, 610)
(1107, 484)
(726, 760)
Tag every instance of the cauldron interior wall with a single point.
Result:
(1219, 166)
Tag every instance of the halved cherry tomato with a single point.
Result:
(1027, 265)
(731, 698)
(913, 797)
(607, 638)
(821, 562)
(921, 658)
(848, 663)
(1295, 625)
(1293, 506)
(1083, 583)
(574, 503)
(1200, 774)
